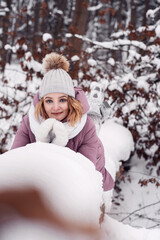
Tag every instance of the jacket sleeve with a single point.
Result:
(93, 149)
(22, 135)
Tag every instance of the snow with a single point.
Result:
(119, 231)
(134, 208)
(31, 63)
(73, 188)
(114, 86)
(151, 151)
(142, 83)
(157, 30)
(7, 47)
(55, 164)
(59, 11)
(69, 182)
(46, 37)
(129, 107)
(92, 62)
(151, 13)
(118, 144)
(94, 8)
(111, 61)
(3, 11)
(68, 35)
(151, 108)
(75, 58)
(138, 206)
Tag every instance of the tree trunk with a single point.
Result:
(78, 26)
(133, 14)
(37, 21)
(145, 10)
(119, 15)
(5, 27)
(62, 5)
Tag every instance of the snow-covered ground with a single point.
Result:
(138, 205)
(73, 187)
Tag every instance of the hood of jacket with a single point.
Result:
(79, 95)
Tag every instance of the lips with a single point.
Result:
(56, 113)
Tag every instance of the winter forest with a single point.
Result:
(115, 43)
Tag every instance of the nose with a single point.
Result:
(55, 106)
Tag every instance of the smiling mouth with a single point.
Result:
(56, 113)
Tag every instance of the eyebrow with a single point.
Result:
(63, 96)
(58, 97)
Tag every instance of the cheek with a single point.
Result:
(46, 107)
(66, 107)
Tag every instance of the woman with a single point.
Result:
(58, 115)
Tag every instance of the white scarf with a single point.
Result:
(72, 131)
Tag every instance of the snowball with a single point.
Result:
(46, 37)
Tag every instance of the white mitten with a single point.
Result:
(61, 134)
(52, 131)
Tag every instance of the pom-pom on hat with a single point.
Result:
(56, 79)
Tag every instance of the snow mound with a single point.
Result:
(68, 181)
(118, 231)
(118, 144)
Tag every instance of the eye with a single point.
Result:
(63, 100)
(48, 101)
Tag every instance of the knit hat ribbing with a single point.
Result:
(56, 78)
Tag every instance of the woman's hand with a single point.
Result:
(52, 131)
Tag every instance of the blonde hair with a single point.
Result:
(74, 115)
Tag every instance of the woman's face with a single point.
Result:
(56, 105)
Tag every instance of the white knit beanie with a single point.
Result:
(56, 79)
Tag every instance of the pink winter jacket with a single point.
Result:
(86, 142)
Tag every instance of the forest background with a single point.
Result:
(116, 43)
